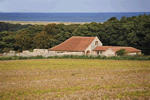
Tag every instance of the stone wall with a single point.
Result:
(42, 52)
(27, 53)
(10, 53)
(69, 53)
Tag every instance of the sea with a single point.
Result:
(66, 17)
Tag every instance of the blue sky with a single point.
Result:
(74, 6)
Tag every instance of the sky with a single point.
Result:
(74, 6)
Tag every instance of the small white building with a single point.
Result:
(111, 50)
(77, 46)
(89, 46)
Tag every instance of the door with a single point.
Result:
(88, 52)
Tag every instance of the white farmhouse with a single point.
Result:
(89, 46)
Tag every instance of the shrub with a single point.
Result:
(31, 50)
(39, 57)
(121, 52)
(78, 57)
(20, 57)
(6, 58)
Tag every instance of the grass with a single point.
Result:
(74, 79)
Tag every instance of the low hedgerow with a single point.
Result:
(142, 58)
(6, 58)
(37, 57)
(20, 57)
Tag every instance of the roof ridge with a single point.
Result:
(83, 36)
(122, 47)
(114, 48)
(118, 46)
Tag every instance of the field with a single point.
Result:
(71, 79)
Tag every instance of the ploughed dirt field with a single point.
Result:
(74, 79)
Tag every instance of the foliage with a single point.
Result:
(121, 52)
(12, 27)
(41, 40)
(140, 58)
(7, 41)
(112, 19)
(25, 38)
(128, 31)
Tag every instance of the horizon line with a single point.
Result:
(74, 12)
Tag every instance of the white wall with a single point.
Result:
(109, 52)
(36, 52)
(134, 53)
(40, 50)
(92, 46)
(69, 53)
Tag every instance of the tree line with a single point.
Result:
(128, 31)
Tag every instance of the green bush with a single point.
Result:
(31, 50)
(142, 58)
(20, 57)
(121, 52)
(6, 58)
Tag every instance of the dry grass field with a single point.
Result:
(74, 79)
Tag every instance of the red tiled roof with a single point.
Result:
(74, 44)
(116, 48)
(102, 48)
(129, 49)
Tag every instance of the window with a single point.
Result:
(96, 43)
(100, 52)
(97, 52)
(60, 52)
